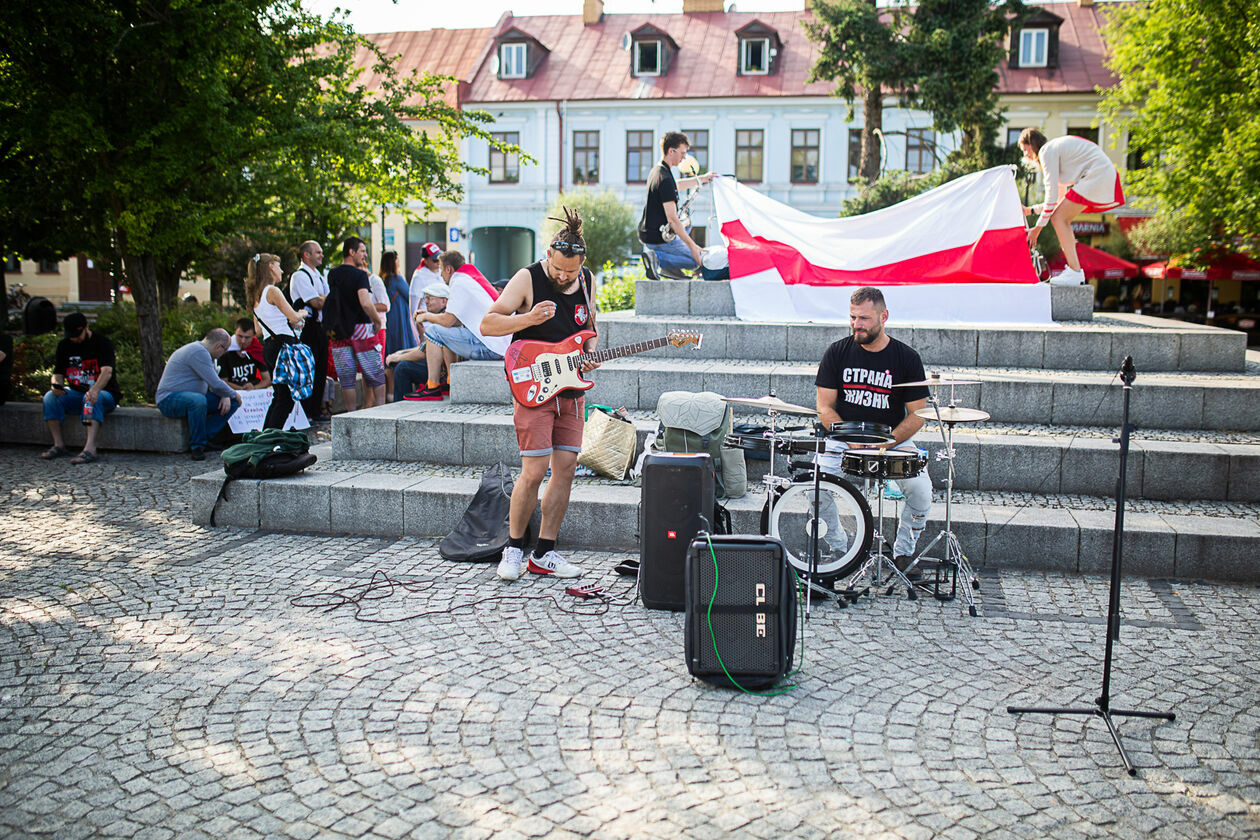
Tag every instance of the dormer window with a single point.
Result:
(647, 58)
(754, 56)
(512, 61)
(1034, 47)
(759, 47)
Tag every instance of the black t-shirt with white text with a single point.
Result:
(240, 368)
(81, 363)
(863, 380)
(660, 189)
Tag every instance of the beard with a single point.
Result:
(559, 285)
(870, 336)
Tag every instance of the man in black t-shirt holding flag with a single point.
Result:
(855, 382)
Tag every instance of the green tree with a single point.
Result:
(609, 225)
(184, 123)
(1189, 96)
(956, 47)
(863, 50)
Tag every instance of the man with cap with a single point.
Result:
(411, 370)
(426, 274)
(83, 385)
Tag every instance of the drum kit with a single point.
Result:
(825, 521)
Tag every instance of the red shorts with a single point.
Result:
(1092, 207)
(555, 425)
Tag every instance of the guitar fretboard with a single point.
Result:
(601, 356)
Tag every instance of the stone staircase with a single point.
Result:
(1033, 485)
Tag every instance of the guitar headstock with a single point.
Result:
(678, 338)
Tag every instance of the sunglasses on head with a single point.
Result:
(569, 249)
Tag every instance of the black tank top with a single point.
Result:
(572, 310)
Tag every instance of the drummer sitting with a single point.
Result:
(855, 383)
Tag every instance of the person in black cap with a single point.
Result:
(83, 385)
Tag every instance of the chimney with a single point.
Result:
(1084, 3)
(693, 7)
(592, 11)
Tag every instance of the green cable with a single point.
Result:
(713, 636)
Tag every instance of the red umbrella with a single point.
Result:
(1098, 265)
(1226, 267)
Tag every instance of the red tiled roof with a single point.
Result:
(587, 62)
(447, 52)
(1081, 55)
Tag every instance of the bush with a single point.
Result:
(609, 225)
(616, 287)
(35, 355)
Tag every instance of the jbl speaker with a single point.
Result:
(741, 611)
(677, 492)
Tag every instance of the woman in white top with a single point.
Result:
(276, 323)
(1079, 178)
(380, 299)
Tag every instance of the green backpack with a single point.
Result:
(268, 453)
(700, 422)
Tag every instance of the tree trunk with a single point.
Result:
(873, 120)
(167, 278)
(4, 297)
(216, 290)
(141, 270)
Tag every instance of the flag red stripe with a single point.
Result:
(991, 259)
(471, 271)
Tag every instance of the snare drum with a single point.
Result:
(860, 433)
(882, 464)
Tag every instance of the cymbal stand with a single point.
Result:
(879, 570)
(955, 561)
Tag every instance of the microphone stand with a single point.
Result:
(1102, 705)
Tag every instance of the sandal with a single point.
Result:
(84, 457)
(53, 452)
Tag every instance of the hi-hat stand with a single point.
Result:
(1102, 705)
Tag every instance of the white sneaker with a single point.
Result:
(512, 564)
(552, 563)
(1068, 277)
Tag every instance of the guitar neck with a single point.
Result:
(601, 356)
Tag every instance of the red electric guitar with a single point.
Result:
(538, 370)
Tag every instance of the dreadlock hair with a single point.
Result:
(571, 230)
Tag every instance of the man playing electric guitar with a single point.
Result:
(548, 301)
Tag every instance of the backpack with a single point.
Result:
(269, 453)
(482, 533)
(333, 318)
(700, 422)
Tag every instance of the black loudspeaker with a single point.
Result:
(677, 491)
(751, 623)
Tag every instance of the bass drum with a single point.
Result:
(841, 517)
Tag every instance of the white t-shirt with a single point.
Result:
(307, 283)
(378, 292)
(415, 295)
(470, 298)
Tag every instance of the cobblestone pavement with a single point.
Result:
(156, 680)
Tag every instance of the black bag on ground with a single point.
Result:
(482, 534)
(267, 453)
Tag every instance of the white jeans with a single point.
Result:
(917, 490)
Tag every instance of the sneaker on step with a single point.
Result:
(425, 395)
(552, 563)
(1068, 277)
(512, 564)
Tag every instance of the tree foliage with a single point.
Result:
(609, 225)
(1189, 96)
(174, 125)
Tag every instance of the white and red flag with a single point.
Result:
(960, 252)
(469, 299)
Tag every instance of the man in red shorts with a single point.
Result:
(549, 300)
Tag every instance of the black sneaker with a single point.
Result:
(197, 454)
(902, 562)
(425, 395)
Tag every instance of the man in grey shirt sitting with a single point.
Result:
(190, 387)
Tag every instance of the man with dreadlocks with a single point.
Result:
(549, 300)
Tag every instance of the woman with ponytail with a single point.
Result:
(276, 323)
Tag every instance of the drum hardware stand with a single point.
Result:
(955, 561)
(1102, 705)
(872, 571)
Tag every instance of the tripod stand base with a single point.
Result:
(1097, 710)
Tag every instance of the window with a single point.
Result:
(12, 265)
(754, 56)
(505, 168)
(586, 157)
(364, 232)
(749, 147)
(919, 150)
(638, 156)
(1012, 137)
(805, 156)
(48, 267)
(417, 234)
(647, 58)
(855, 153)
(1090, 134)
(512, 61)
(1136, 159)
(699, 148)
(1034, 47)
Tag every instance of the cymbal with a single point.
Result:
(768, 403)
(937, 381)
(952, 414)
